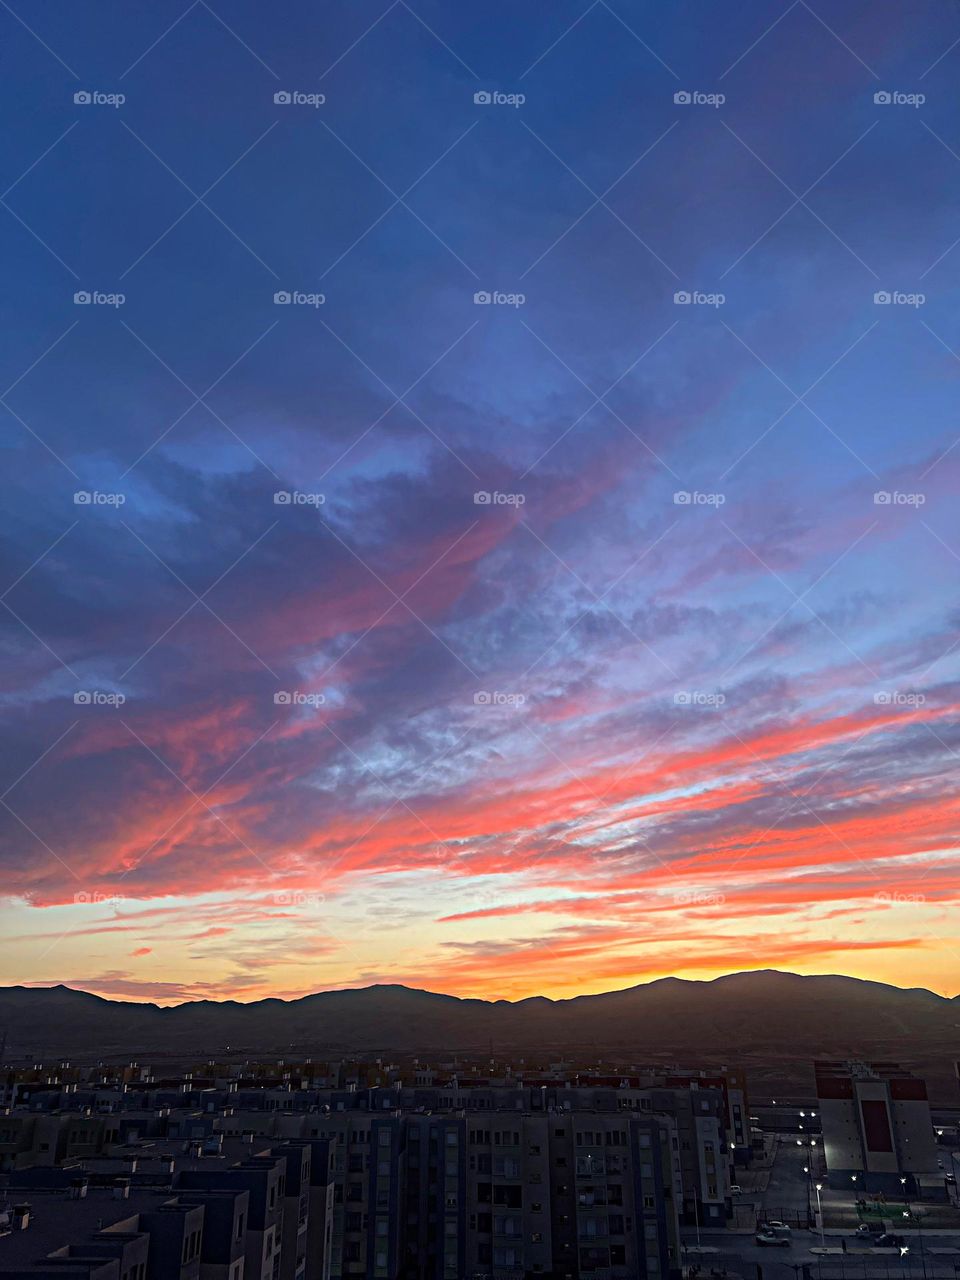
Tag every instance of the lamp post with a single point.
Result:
(819, 1188)
(917, 1217)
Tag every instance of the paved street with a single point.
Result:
(739, 1253)
(789, 1190)
(785, 1197)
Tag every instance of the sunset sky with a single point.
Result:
(682, 698)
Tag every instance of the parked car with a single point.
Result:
(865, 1231)
(771, 1237)
(889, 1241)
(736, 1189)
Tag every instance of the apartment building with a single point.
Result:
(102, 1235)
(480, 1180)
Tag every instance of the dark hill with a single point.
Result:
(763, 1017)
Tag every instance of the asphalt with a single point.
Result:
(785, 1196)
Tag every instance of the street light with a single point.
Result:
(820, 1213)
(917, 1217)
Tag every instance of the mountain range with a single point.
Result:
(766, 1020)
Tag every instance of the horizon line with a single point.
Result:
(39, 985)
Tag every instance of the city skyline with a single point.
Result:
(482, 496)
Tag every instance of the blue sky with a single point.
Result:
(681, 696)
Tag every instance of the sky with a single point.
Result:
(480, 494)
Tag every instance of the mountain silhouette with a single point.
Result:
(776, 1022)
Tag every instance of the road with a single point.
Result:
(786, 1197)
(787, 1193)
(740, 1254)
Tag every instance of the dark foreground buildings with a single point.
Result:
(227, 1178)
